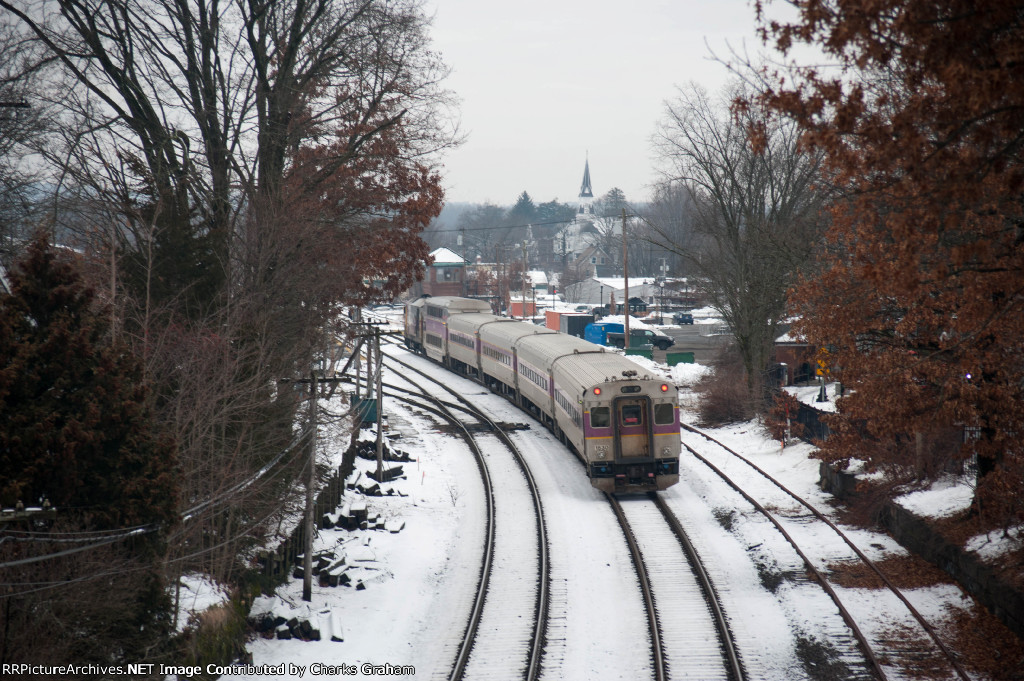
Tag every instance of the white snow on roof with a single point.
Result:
(620, 282)
(445, 256)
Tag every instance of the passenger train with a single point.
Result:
(623, 424)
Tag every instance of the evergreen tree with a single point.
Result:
(553, 211)
(613, 203)
(524, 212)
(75, 430)
(74, 425)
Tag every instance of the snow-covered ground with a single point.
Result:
(418, 581)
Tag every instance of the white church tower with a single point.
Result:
(586, 198)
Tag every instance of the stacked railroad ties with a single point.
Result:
(347, 565)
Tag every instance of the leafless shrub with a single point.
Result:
(723, 395)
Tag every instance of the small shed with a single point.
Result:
(797, 356)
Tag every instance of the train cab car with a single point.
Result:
(436, 313)
(623, 424)
(628, 430)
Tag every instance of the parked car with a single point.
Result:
(682, 318)
(615, 335)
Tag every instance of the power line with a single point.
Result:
(532, 224)
(118, 535)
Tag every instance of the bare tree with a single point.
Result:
(755, 207)
(235, 170)
(669, 221)
(481, 229)
(21, 122)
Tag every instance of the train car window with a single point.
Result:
(664, 414)
(600, 417)
(632, 415)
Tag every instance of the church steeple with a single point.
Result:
(585, 190)
(586, 193)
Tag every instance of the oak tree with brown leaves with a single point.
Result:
(920, 298)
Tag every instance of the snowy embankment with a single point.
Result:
(416, 582)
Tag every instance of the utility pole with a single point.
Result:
(625, 275)
(307, 549)
(497, 272)
(524, 278)
(314, 381)
(359, 364)
(664, 280)
(380, 409)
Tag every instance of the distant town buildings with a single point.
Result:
(576, 263)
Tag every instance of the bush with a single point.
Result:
(217, 636)
(781, 417)
(724, 395)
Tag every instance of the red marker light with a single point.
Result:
(664, 388)
(597, 391)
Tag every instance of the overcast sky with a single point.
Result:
(544, 82)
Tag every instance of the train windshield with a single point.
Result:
(600, 417)
(632, 415)
(664, 414)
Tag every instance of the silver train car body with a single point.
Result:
(623, 424)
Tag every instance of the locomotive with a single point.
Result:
(622, 424)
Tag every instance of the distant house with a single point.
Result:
(537, 281)
(598, 290)
(593, 262)
(446, 276)
(797, 355)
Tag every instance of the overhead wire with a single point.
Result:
(116, 535)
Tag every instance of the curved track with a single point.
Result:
(504, 635)
(868, 646)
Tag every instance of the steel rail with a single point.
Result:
(860, 554)
(847, 617)
(657, 652)
(488, 560)
(710, 594)
(541, 611)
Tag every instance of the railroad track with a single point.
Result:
(695, 641)
(504, 635)
(791, 515)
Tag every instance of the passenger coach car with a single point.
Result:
(623, 424)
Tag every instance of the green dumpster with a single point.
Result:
(674, 358)
(642, 352)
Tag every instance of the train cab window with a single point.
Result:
(600, 417)
(632, 415)
(664, 414)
